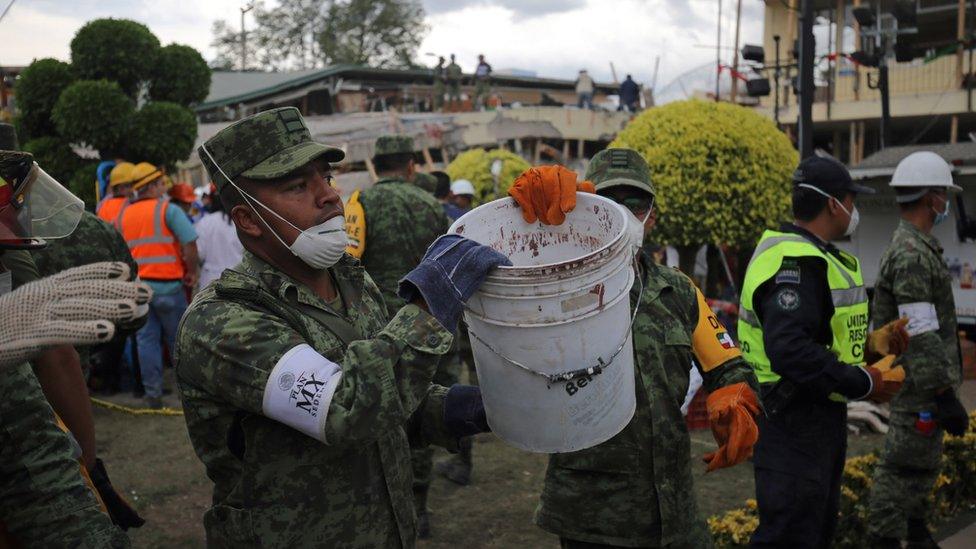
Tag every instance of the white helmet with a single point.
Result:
(461, 187)
(922, 169)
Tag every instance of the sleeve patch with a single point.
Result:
(788, 299)
(355, 226)
(788, 275)
(711, 342)
(921, 316)
(299, 390)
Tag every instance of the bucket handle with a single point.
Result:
(597, 368)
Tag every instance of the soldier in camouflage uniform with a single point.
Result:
(92, 241)
(636, 489)
(425, 181)
(440, 75)
(398, 221)
(454, 74)
(914, 282)
(46, 496)
(300, 394)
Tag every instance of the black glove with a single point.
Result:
(464, 412)
(951, 414)
(452, 269)
(119, 510)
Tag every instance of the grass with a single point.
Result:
(151, 460)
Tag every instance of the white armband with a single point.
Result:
(300, 389)
(921, 317)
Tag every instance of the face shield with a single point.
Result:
(33, 205)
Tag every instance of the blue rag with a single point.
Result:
(450, 272)
(464, 411)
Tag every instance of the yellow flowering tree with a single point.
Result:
(721, 172)
(475, 166)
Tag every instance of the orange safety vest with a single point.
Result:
(153, 245)
(110, 208)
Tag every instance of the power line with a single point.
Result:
(5, 10)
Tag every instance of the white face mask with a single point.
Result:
(854, 216)
(635, 226)
(320, 247)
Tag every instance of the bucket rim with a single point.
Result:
(559, 265)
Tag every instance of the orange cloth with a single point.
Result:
(731, 413)
(110, 208)
(547, 193)
(886, 380)
(152, 243)
(890, 339)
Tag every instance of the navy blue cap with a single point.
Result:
(828, 175)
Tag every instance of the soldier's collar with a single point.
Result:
(930, 240)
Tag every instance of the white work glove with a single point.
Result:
(78, 307)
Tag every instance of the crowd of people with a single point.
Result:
(317, 369)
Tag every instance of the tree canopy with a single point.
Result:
(475, 166)
(721, 172)
(38, 89)
(93, 113)
(308, 34)
(118, 50)
(180, 75)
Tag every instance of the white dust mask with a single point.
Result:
(854, 216)
(320, 246)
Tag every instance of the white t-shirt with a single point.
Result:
(218, 246)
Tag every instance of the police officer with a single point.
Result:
(803, 324)
(636, 489)
(914, 282)
(299, 393)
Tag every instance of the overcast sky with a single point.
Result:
(553, 38)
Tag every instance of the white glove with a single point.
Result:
(78, 306)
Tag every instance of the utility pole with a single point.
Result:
(807, 90)
(718, 53)
(244, 9)
(776, 73)
(735, 59)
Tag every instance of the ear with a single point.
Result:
(247, 221)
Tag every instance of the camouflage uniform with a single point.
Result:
(454, 75)
(636, 489)
(425, 181)
(913, 271)
(273, 485)
(439, 85)
(44, 499)
(92, 241)
(401, 222)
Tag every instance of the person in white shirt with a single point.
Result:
(217, 243)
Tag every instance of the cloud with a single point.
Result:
(520, 8)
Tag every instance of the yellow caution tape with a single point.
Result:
(137, 411)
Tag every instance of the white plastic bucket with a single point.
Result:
(562, 307)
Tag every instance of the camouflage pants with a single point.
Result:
(453, 92)
(448, 373)
(481, 89)
(904, 478)
(44, 499)
(439, 91)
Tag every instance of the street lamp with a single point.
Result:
(244, 9)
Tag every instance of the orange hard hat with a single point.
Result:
(183, 192)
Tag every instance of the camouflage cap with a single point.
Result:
(392, 144)
(8, 138)
(425, 181)
(612, 167)
(266, 145)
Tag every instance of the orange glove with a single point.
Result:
(547, 193)
(886, 381)
(731, 413)
(890, 339)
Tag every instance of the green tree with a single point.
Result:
(721, 172)
(161, 133)
(54, 156)
(82, 184)
(378, 33)
(307, 34)
(94, 113)
(118, 50)
(475, 166)
(180, 75)
(38, 88)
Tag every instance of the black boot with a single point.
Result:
(457, 468)
(919, 536)
(423, 515)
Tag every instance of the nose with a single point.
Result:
(326, 194)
